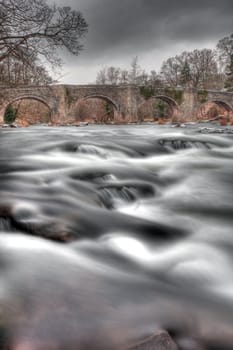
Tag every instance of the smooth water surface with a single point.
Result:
(109, 233)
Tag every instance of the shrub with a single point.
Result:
(10, 115)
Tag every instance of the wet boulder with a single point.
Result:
(158, 341)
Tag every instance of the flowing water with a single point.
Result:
(109, 233)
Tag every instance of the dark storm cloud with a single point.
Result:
(146, 23)
(120, 30)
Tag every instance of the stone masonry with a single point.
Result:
(63, 100)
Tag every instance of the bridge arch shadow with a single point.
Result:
(97, 108)
(29, 110)
(158, 107)
(214, 108)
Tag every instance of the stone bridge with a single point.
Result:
(63, 100)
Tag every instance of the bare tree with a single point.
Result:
(198, 68)
(155, 80)
(203, 67)
(170, 71)
(124, 77)
(113, 74)
(143, 78)
(102, 76)
(108, 75)
(32, 27)
(15, 72)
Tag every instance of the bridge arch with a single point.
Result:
(167, 99)
(169, 110)
(103, 97)
(33, 119)
(214, 107)
(103, 114)
(223, 104)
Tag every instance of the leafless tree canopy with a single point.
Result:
(15, 72)
(225, 49)
(134, 75)
(30, 28)
(201, 69)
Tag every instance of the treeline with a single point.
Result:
(15, 72)
(33, 33)
(203, 69)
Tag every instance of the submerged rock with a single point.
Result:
(83, 124)
(205, 130)
(13, 125)
(158, 341)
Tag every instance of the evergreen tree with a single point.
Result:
(185, 74)
(229, 74)
(225, 48)
(161, 109)
(10, 115)
(135, 71)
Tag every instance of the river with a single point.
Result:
(110, 233)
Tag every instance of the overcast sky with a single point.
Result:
(153, 30)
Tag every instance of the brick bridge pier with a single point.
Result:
(63, 100)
